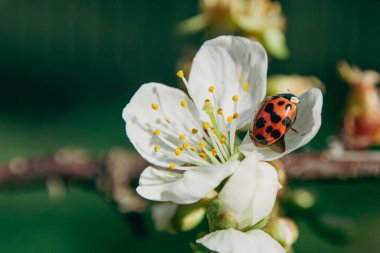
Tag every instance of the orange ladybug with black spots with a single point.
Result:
(274, 118)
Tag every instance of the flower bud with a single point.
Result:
(283, 230)
(294, 84)
(219, 218)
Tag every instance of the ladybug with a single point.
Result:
(274, 118)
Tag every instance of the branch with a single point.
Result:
(115, 172)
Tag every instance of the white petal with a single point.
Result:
(307, 124)
(183, 188)
(266, 192)
(237, 194)
(235, 66)
(251, 192)
(264, 242)
(234, 241)
(141, 120)
(162, 214)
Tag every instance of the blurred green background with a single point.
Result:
(67, 69)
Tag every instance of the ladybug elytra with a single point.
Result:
(274, 118)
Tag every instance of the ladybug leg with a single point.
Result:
(294, 130)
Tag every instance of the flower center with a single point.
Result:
(208, 143)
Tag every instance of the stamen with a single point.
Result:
(211, 156)
(193, 149)
(230, 119)
(172, 166)
(183, 103)
(213, 152)
(186, 145)
(211, 89)
(202, 144)
(236, 115)
(194, 131)
(156, 148)
(235, 98)
(182, 137)
(220, 111)
(218, 147)
(223, 139)
(154, 106)
(206, 125)
(181, 75)
(178, 151)
(156, 132)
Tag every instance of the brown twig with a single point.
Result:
(113, 172)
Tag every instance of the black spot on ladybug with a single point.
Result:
(269, 129)
(274, 117)
(261, 139)
(287, 122)
(269, 108)
(281, 103)
(287, 96)
(260, 123)
(288, 107)
(276, 134)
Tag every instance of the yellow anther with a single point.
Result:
(203, 155)
(207, 100)
(156, 148)
(236, 115)
(194, 131)
(223, 139)
(182, 137)
(183, 103)
(220, 111)
(213, 152)
(202, 144)
(235, 98)
(186, 145)
(193, 149)
(178, 151)
(156, 132)
(206, 125)
(211, 89)
(172, 166)
(155, 106)
(230, 118)
(180, 73)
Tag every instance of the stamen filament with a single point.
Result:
(211, 156)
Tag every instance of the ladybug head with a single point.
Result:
(291, 97)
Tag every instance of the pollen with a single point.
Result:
(155, 106)
(223, 139)
(220, 111)
(202, 144)
(194, 131)
(186, 145)
(236, 115)
(172, 166)
(156, 148)
(183, 103)
(178, 151)
(230, 118)
(203, 155)
(182, 137)
(213, 152)
(235, 98)
(156, 132)
(211, 89)
(180, 73)
(206, 125)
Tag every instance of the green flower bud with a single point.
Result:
(283, 230)
(219, 218)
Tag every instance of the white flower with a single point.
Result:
(234, 241)
(196, 136)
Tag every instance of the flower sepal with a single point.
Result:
(219, 218)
